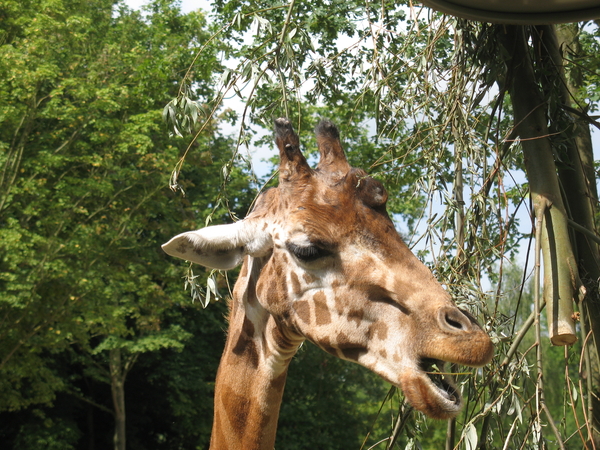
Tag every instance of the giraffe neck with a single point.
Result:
(252, 373)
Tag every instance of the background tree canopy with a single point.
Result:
(104, 108)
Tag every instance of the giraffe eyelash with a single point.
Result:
(307, 253)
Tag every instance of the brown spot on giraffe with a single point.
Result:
(322, 314)
(302, 309)
(353, 353)
(308, 278)
(296, 287)
(238, 408)
(347, 347)
(356, 315)
(378, 331)
(243, 344)
(248, 328)
(365, 296)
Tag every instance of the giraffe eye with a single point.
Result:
(307, 253)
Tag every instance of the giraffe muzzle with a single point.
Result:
(461, 341)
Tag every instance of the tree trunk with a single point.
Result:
(117, 384)
(561, 280)
(578, 180)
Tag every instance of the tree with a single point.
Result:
(84, 201)
(544, 84)
(457, 116)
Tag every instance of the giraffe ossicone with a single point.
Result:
(322, 261)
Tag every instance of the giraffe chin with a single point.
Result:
(431, 392)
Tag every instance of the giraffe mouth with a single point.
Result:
(441, 379)
(431, 389)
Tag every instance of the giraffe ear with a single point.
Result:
(220, 246)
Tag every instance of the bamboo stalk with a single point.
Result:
(579, 182)
(540, 395)
(561, 281)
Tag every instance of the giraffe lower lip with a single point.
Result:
(430, 389)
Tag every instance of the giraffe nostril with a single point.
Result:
(453, 320)
(453, 323)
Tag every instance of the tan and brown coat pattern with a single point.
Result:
(322, 261)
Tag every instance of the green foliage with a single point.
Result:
(85, 204)
(560, 367)
(582, 65)
(51, 434)
(83, 200)
(178, 384)
(328, 403)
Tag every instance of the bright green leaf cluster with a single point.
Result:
(84, 198)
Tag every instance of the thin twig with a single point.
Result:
(400, 424)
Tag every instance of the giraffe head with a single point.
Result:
(334, 270)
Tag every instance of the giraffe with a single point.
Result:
(322, 261)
